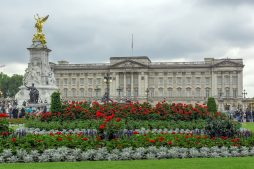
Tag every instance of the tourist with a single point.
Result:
(15, 112)
(22, 112)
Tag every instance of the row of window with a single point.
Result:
(179, 80)
(226, 80)
(227, 92)
(152, 81)
(73, 81)
(179, 92)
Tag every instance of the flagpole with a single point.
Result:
(131, 44)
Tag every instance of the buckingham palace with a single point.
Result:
(138, 78)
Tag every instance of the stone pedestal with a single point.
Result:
(38, 73)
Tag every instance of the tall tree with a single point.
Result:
(9, 85)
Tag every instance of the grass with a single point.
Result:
(196, 163)
(248, 125)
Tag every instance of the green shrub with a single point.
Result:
(56, 104)
(211, 104)
(222, 127)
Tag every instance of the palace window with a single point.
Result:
(170, 92)
(197, 93)
(98, 81)
(151, 92)
(90, 81)
(198, 80)
(235, 93)
(82, 92)
(188, 92)
(81, 81)
(57, 82)
(65, 81)
(161, 81)
(73, 91)
(219, 92)
(73, 81)
(207, 92)
(219, 80)
(151, 81)
(179, 92)
(170, 80)
(188, 80)
(90, 92)
(65, 92)
(207, 80)
(234, 80)
(179, 80)
(227, 80)
(161, 92)
(227, 92)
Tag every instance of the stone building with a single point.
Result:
(139, 78)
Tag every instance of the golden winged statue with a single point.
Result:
(39, 36)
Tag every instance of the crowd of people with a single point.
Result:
(11, 107)
(242, 116)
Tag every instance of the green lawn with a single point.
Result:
(248, 125)
(197, 163)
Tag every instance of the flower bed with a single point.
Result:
(67, 154)
(105, 132)
(127, 123)
(87, 141)
(145, 111)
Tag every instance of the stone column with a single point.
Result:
(240, 83)
(139, 85)
(214, 85)
(124, 84)
(117, 83)
(113, 85)
(145, 85)
(132, 83)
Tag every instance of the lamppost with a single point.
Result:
(147, 93)
(96, 91)
(107, 80)
(119, 92)
(244, 93)
(220, 100)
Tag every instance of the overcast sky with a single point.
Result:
(91, 31)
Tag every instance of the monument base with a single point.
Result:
(45, 93)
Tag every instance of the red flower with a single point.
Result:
(135, 132)
(170, 143)
(118, 119)
(152, 141)
(59, 133)
(85, 139)
(102, 126)
(14, 140)
(3, 115)
(99, 114)
(59, 138)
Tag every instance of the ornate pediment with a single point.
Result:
(128, 64)
(228, 63)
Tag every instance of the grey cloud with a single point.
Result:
(226, 2)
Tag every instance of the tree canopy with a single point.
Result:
(9, 85)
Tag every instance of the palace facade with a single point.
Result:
(140, 78)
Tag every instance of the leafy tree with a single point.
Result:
(9, 85)
(211, 104)
(56, 104)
